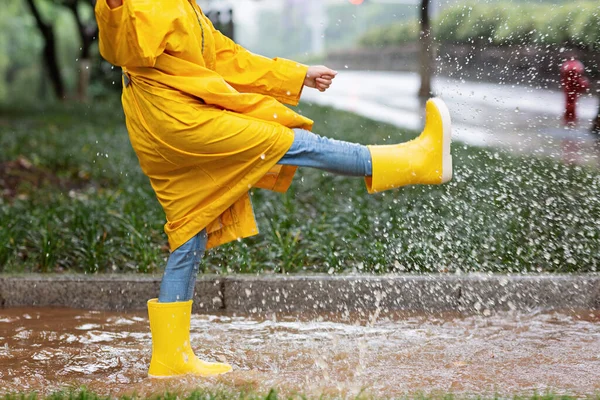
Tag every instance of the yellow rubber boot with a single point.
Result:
(172, 354)
(424, 160)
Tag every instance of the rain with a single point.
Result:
(484, 286)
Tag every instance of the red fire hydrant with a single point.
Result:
(573, 82)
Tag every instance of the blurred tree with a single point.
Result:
(20, 49)
(5, 63)
(348, 22)
(425, 50)
(222, 21)
(49, 52)
(88, 33)
(272, 28)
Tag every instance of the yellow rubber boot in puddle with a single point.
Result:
(425, 160)
(172, 354)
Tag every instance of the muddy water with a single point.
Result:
(48, 349)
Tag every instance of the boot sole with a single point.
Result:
(182, 375)
(447, 139)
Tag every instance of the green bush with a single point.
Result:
(392, 35)
(450, 22)
(519, 26)
(481, 23)
(576, 24)
(557, 29)
(585, 30)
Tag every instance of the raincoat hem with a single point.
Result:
(243, 222)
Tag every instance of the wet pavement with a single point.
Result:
(45, 349)
(517, 118)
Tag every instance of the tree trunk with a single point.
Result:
(87, 34)
(425, 51)
(83, 83)
(49, 52)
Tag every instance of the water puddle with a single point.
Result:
(47, 349)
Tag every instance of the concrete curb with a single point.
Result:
(98, 292)
(472, 293)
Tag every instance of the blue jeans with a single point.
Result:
(335, 156)
(182, 267)
(307, 150)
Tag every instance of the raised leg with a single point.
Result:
(335, 156)
(425, 160)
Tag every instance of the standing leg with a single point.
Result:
(170, 314)
(180, 273)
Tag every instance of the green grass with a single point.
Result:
(501, 213)
(272, 395)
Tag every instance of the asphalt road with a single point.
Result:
(518, 118)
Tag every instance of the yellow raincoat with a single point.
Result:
(203, 114)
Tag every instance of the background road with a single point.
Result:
(517, 118)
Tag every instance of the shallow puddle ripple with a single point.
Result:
(47, 349)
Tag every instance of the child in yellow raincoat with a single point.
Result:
(206, 120)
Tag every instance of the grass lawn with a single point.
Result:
(74, 199)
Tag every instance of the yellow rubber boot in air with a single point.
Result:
(425, 160)
(172, 354)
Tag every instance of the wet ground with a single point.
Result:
(518, 118)
(48, 349)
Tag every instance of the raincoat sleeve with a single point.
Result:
(134, 34)
(250, 73)
(215, 90)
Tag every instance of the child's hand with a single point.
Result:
(319, 77)
(114, 3)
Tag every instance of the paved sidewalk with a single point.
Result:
(517, 118)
